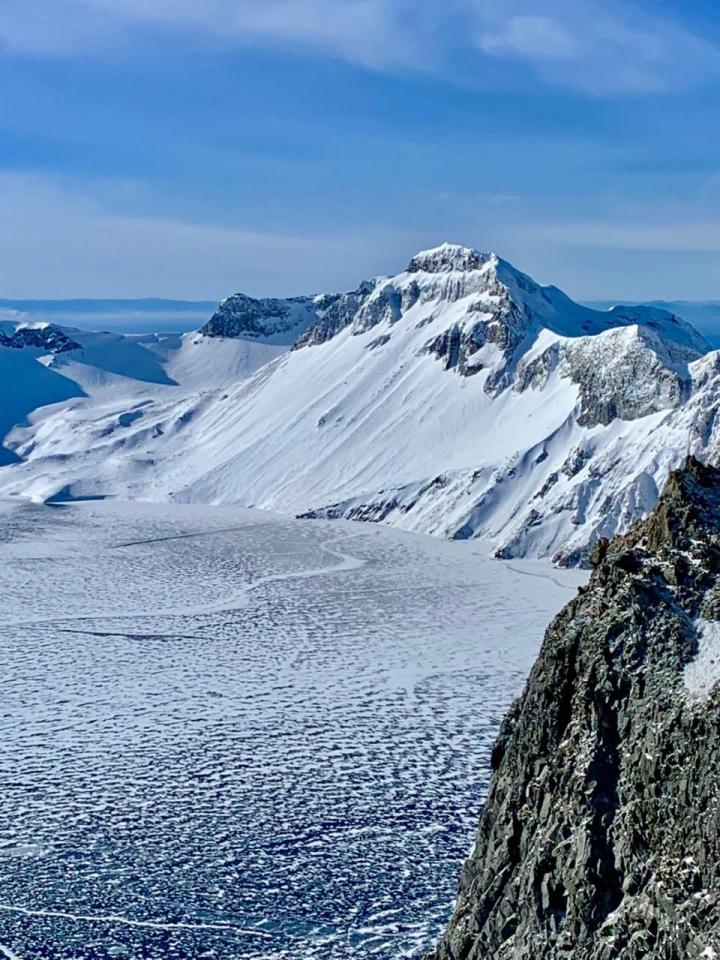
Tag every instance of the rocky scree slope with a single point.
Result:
(458, 398)
(600, 839)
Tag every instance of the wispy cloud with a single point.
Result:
(64, 240)
(600, 46)
(672, 235)
(373, 33)
(56, 236)
(532, 37)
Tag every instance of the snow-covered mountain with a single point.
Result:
(458, 398)
(46, 368)
(704, 315)
(43, 336)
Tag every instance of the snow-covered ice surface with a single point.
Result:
(235, 735)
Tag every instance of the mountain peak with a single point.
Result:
(449, 257)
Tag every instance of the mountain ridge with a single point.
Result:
(456, 271)
(457, 398)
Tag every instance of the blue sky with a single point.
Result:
(189, 148)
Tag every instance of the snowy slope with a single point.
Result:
(43, 364)
(130, 364)
(458, 398)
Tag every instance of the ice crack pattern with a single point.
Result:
(229, 734)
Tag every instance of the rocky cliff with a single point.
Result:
(42, 336)
(600, 839)
(271, 320)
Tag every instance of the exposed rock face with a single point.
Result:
(505, 309)
(42, 337)
(243, 316)
(600, 839)
(630, 377)
(447, 258)
(334, 313)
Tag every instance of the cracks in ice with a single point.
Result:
(177, 536)
(346, 564)
(130, 922)
(322, 731)
(8, 953)
(539, 576)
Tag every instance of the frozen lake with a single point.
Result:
(229, 734)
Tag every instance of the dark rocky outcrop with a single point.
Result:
(447, 258)
(335, 312)
(42, 337)
(249, 318)
(600, 839)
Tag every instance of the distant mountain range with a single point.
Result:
(157, 315)
(457, 398)
(149, 315)
(704, 315)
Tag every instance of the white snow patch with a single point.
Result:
(702, 673)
